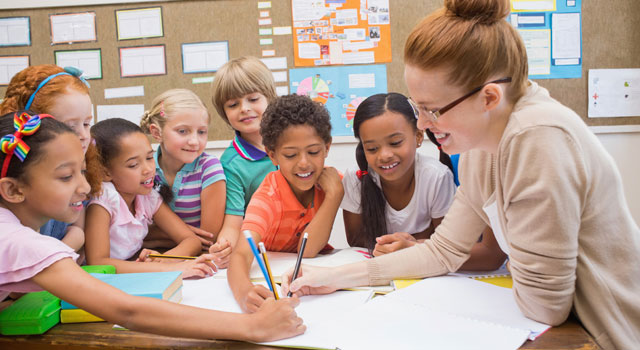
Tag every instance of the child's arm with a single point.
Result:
(486, 255)
(186, 241)
(353, 229)
(226, 241)
(98, 249)
(249, 296)
(74, 236)
(319, 228)
(213, 204)
(275, 320)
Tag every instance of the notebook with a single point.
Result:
(159, 285)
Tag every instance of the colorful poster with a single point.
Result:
(335, 32)
(340, 89)
(552, 33)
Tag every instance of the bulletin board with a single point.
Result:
(237, 22)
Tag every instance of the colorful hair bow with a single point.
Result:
(361, 173)
(73, 71)
(13, 144)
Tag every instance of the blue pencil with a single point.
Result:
(256, 254)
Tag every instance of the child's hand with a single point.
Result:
(199, 268)
(221, 252)
(311, 280)
(392, 242)
(276, 320)
(330, 182)
(255, 298)
(144, 255)
(206, 238)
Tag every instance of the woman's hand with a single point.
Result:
(311, 280)
(276, 320)
(392, 242)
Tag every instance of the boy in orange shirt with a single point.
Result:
(301, 196)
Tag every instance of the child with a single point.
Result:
(63, 94)
(117, 220)
(241, 91)
(46, 183)
(397, 190)
(302, 196)
(194, 180)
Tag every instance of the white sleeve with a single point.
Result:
(441, 191)
(351, 199)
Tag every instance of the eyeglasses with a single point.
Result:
(436, 113)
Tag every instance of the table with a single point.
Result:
(101, 335)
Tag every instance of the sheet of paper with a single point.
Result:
(614, 93)
(202, 80)
(265, 31)
(264, 21)
(15, 31)
(139, 23)
(533, 5)
(129, 91)
(10, 65)
(281, 91)
(282, 30)
(89, 61)
(268, 53)
(73, 27)
(142, 60)
(307, 9)
(204, 57)
(264, 4)
(470, 298)
(275, 63)
(266, 41)
(362, 81)
(538, 44)
(132, 113)
(308, 50)
(280, 77)
(565, 33)
(358, 57)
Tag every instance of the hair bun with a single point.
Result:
(479, 11)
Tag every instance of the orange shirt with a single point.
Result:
(277, 216)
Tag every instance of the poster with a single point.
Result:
(340, 89)
(335, 32)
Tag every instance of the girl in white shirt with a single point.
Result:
(398, 196)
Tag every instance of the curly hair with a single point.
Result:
(291, 110)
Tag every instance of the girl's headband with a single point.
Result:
(12, 144)
(73, 71)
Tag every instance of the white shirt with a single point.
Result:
(432, 196)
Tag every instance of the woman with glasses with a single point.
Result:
(530, 169)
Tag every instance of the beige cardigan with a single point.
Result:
(572, 241)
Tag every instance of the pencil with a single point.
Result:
(256, 254)
(263, 250)
(163, 256)
(299, 260)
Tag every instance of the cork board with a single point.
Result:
(610, 35)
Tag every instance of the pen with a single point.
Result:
(254, 249)
(299, 260)
(263, 250)
(163, 256)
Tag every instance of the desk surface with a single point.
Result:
(569, 335)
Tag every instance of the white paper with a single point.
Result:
(275, 63)
(355, 34)
(89, 61)
(357, 45)
(534, 5)
(268, 53)
(204, 57)
(335, 52)
(144, 60)
(282, 30)
(280, 77)
(264, 4)
(129, 91)
(73, 27)
(281, 91)
(565, 32)
(140, 23)
(264, 21)
(530, 19)
(614, 93)
(132, 113)
(362, 81)
(265, 31)
(14, 31)
(538, 45)
(308, 50)
(469, 298)
(358, 57)
(266, 41)
(11, 65)
(308, 9)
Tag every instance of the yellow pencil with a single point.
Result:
(163, 256)
(266, 264)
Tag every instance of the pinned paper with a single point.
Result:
(280, 77)
(73, 27)
(204, 57)
(129, 91)
(132, 113)
(264, 14)
(265, 31)
(266, 41)
(282, 90)
(275, 63)
(268, 53)
(139, 23)
(282, 30)
(264, 4)
(89, 61)
(142, 60)
(15, 31)
(10, 65)
(264, 21)
(202, 80)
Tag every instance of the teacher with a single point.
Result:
(530, 168)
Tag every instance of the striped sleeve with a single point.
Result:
(211, 170)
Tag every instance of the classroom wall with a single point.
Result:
(618, 143)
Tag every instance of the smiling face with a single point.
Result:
(184, 135)
(389, 144)
(55, 186)
(461, 128)
(74, 109)
(133, 169)
(245, 113)
(300, 153)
